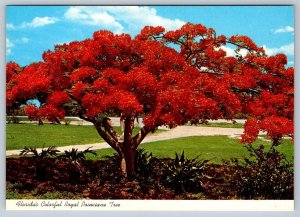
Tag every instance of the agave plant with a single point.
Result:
(143, 162)
(184, 175)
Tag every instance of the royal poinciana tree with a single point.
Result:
(168, 78)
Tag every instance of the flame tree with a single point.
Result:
(167, 77)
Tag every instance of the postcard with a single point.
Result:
(187, 108)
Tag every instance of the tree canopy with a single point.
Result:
(167, 77)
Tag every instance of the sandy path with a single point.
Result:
(178, 132)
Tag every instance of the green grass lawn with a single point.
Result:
(20, 135)
(216, 148)
(223, 124)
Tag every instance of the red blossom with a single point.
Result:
(12, 70)
(51, 113)
(102, 85)
(58, 98)
(277, 127)
(149, 31)
(45, 112)
(251, 130)
(245, 42)
(33, 112)
(78, 90)
(169, 78)
(128, 104)
(83, 74)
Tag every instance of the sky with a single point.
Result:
(31, 30)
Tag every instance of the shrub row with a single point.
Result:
(265, 174)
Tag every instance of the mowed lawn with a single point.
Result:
(20, 135)
(215, 148)
(222, 124)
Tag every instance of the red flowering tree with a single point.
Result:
(12, 72)
(263, 84)
(191, 81)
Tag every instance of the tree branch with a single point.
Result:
(115, 145)
(138, 138)
(108, 127)
(250, 90)
(129, 125)
(85, 118)
(208, 71)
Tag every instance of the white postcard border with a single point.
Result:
(260, 205)
(152, 205)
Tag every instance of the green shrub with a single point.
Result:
(12, 119)
(265, 174)
(184, 175)
(50, 151)
(74, 155)
(42, 163)
(143, 163)
(74, 158)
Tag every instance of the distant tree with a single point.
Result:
(168, 78)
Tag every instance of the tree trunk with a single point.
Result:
(276, 141)
(41, 122)
(127, 163)
(125, 145)
(122, 126)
